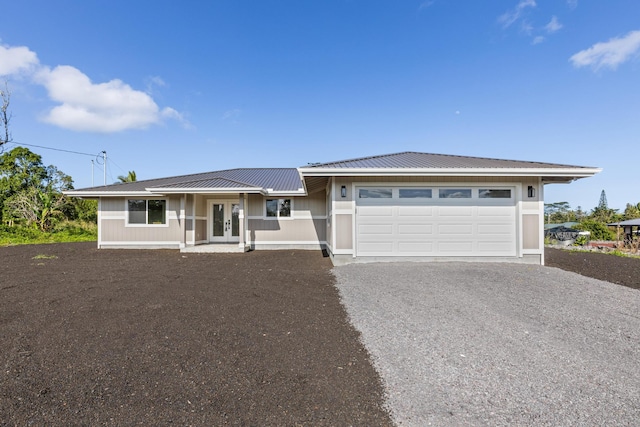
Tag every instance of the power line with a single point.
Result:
(54, 149)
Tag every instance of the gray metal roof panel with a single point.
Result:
(632, 222)
(415, 160)
(206, 183)
(278, 179)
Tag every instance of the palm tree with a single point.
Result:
(131, 177)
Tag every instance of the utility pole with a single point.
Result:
(92, 184)
(104, 161)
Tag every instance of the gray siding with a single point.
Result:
(286, 230)
(113, 228)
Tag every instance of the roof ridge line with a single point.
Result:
(208, 179)
(376, 156)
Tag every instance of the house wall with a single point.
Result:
(114, 232)
(306, 228)
(529, 211)
(329, 213)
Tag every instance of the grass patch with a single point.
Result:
(43, 256)
(614, 252)
(67, 231)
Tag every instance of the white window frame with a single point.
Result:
(146, 199)
(280, 200)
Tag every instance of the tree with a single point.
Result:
(602, 204)
(131, 177)
(599, 231)
(26, 184)
(631, 211)
(558, 212)
(36, 207)
(602, 213)
(5, 116)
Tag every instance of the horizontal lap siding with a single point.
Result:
(114, 230)
(113, 223)
(287, 230)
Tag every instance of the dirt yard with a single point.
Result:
(118, 337)
(621, 270)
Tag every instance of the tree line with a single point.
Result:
(31, 193)
(595, 220)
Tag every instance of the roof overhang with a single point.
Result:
(225, 190)
(165, 191)
(81, 193)
(551, 174)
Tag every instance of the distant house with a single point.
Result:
(407, 206)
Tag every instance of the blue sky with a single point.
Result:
(170, 88)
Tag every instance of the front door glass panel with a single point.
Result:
(218, 220)
(235, 220)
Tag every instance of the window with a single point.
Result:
(415, 193)
(494, 193)
(455, 193)
(278, 208)
(145, 212)
(375, 193)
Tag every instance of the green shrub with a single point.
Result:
(581, 240)
(599, 231)
(64, 231)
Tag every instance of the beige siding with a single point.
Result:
(201, 206)
(531, 231)
(313, 204)
(344, 231)
(113, 223)
(256, 205)
(201, 230)
(112, 206)
(290, 230)
(113, 230)
(329, 233)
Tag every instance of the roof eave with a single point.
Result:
(210, 190)
(541, 172)
(271, 192)
(137, 193)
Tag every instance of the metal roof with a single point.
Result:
(632, 222)
(271, 180)
(283, 181)
(415, 160)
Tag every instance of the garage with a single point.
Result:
(435, 221)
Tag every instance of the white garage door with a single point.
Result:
(435, 221)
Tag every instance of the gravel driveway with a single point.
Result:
(498, 344)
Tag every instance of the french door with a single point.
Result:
(224, 221)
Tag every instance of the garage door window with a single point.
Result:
(494, 193)
(415, 193)
(375, 193)
(455, 193)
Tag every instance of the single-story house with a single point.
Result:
(406, 206)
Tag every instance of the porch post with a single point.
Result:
(183, 219)
(241, 217)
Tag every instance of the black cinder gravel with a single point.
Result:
(498, 344)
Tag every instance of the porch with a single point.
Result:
(215, 248)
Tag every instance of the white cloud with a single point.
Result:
(553, 25)
(511, 16)
(425, 4)
(526, 27)
(16, 60)
(85, 106)
(537, 40)
(608, 54)
(232, 115)
(95, 107)
(572, 3)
